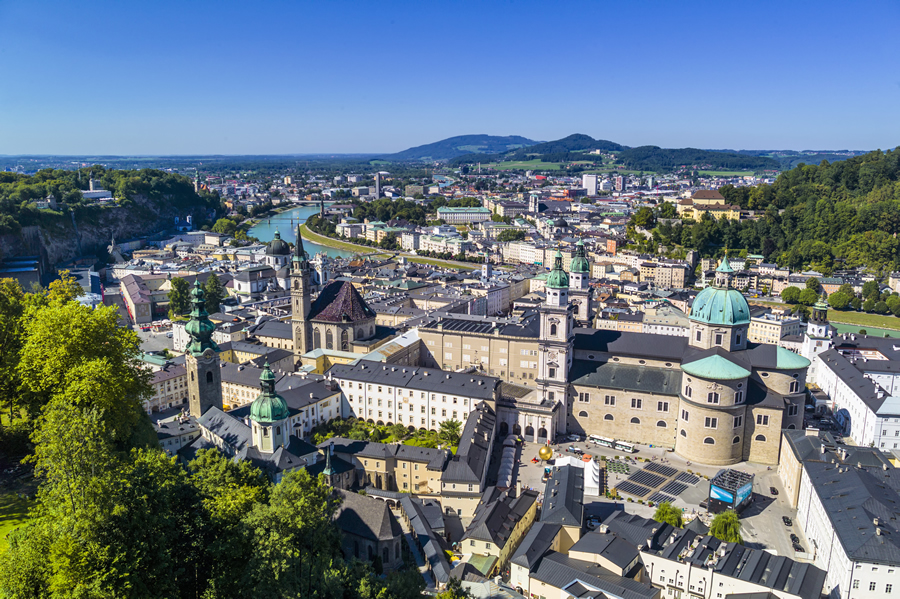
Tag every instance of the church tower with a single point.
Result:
(270, 416)
(300, 297)
(580, 286)
(202, 358)
(557, 337)
(817, 338)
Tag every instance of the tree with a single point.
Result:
(839, 300)
(726, 526)
(667, 210)
(389, 242)
(868, 305)
(12, 306)
(449, 431)
(790, 295)
(65, 288)
(83, 358)
(847, 289)
(870, 289)
(643, 218)
(813, 283)
(668, 514)
(511, 235)
(454, 590)
(881, 308)
(179, 297)
(214, 293)
(808, 297)
(225, 226)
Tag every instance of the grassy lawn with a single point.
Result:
(13, 513)
(362, 249)
(863, 319)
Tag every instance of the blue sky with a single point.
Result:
(125, 77)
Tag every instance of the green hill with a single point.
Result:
(572, 143)
(653, 158)
(453, 147)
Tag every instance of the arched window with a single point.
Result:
(791, 427)
(317, 338)
(329, 339)
(553, 330)
(192, 375)
(209, 376)
(635, 421)
(345, 341)
(683, 434)
(760, 438)
(582, 414)
(608, 417)
(709, 441)
(735, 440)
(661, 423)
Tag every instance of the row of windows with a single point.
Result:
(711, 441)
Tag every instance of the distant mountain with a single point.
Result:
(573, 143)
(452, 147)
(653, 158)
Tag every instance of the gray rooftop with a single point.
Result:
(564, 497)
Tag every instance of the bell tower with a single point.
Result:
(580, 286)
(300, 297)
(202, 358)
(556, 341)
(817, 338)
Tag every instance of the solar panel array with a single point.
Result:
(674, 488)
(633, 489)
(666, 471)
(642, 477)
(687, 477)
(660, 497)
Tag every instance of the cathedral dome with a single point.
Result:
(278, 247)
(268, 406)
(719, 304)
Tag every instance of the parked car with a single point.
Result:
(593, 522)
(773, 490)
(794, 538)
(575, 438)
(169, 334)
(575, 450)
(798, 547)
(787, 521)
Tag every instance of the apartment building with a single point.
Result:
(169, 385)
(849, 516)
(418, 398)
(461, 215)
(394, 467)
(501, 520)
(771, 327)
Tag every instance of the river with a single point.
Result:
(265, 230)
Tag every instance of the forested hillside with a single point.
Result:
(826, 216)
(141, 191)
(453, 147)
(653, 158)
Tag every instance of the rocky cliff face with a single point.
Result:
(62, 239)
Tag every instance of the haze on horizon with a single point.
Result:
(171, 78)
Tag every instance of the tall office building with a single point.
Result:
(589, 182)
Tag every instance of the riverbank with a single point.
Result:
(856, 319)
(360, 249)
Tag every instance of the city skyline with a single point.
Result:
(348, 78)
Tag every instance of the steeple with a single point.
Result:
(200, 328)
(579, 262)
(558, 278)
(724, 273)
(328, 469)
(301, 258)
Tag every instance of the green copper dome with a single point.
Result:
(719, 304)
(788, 360)
(200, 328)
(579, 262)
(716, 367)
(558, 278)
(268, 407)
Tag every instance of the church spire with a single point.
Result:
(200, 328)
(301, 258)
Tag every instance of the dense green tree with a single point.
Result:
(511, 235)
(179, 297)
(856, 303)
(12, 306)
(214, 293)
(667, 513)
(869, 305)
(726, 526)
(389, 242)
(881, 308)
(808, 297)
(791, 295)
(225, 226)
(839, 300)
(449, 431)
(64, 289)
(847, 289)
(813, 283)
(643, 218)
(667, 210)
(870, 289)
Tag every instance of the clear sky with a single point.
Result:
(193, 77)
